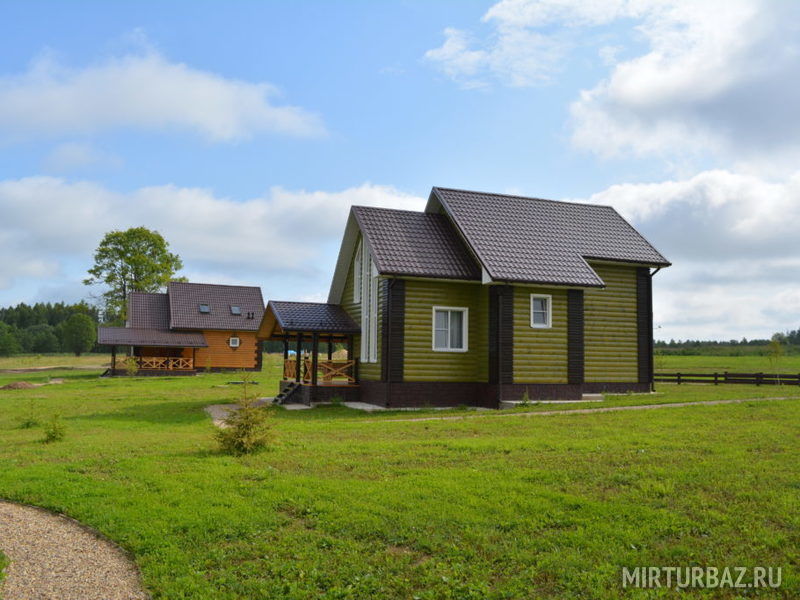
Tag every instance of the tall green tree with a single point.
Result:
(79, 334)
(135, 260)
(8, 341)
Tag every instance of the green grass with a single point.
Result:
(739, 364)
(354, 505)
(29, 361)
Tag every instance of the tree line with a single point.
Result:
(789, 341)
(44, 328)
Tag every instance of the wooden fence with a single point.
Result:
(726, 377)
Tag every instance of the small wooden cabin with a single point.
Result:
(191, 327)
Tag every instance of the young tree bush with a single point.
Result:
(79, 334)
(246, 429)
(54, 430)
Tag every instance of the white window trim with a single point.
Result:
(357, 273)
(462, 309)
(231, 341)
(549, 323)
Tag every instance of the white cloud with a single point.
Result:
(717, 77)
(143, 91)
(48, 222)
(71, 156)
(733, 242)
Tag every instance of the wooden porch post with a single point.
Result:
(113, 359)
(194, 358)
(314, 358)
(330, 347)
(285, 349)
(298, 357)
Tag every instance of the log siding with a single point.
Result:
(540, 354)
(610, 327)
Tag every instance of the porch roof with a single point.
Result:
(306, 317)
(129, 336)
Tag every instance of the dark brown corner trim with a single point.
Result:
(644, 323)
(575, 343)
(501, 334)
(392, 343)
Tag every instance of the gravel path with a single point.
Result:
(579, 411)
(56, 558)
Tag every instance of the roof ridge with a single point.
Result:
(517, 196)
(394, 210)
(214, 284)
(304, 302)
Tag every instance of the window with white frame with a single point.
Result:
(368, 280)
(233, 342)
(357, 274)
(450, 329)
(541, 311)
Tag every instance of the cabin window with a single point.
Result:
(450, 328)
(541, 311)
(205, 308)
(237, 310)
(357, 274)
(369, 308)
(233, 342)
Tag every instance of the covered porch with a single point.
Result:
(152, 351)
(310, 331)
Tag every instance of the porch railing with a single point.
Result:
(164, 363)
(328, 371)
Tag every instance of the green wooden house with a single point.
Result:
(480, 298)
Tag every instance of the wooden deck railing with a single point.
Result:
(164, 363)
(329, 372)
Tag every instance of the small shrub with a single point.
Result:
(131, 366)
(54, 430)
(29, 421)
(336, 400)
(248, 428)
(526, 399)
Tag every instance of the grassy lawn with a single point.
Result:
(738, 364)
(30, 361)
(350, 505)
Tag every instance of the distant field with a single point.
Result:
(741, 364)
(28, 361)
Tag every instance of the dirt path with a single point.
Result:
(56, 558)
(577, 411)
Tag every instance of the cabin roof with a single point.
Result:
(185, 300)
(414, 243)
(534, 240)
(129, 336)
(311, 317)
(494, 237)
(148, 311)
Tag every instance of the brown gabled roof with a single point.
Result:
(185, 300)
(148, 311)
(129, 336)
(416, 244)
(542, 241)
(312, 316)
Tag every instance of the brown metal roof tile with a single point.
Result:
(185, 300)
(415, 244)
(129, 336)
(312, 316)
(543, 241)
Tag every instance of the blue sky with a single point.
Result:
(225, 124)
